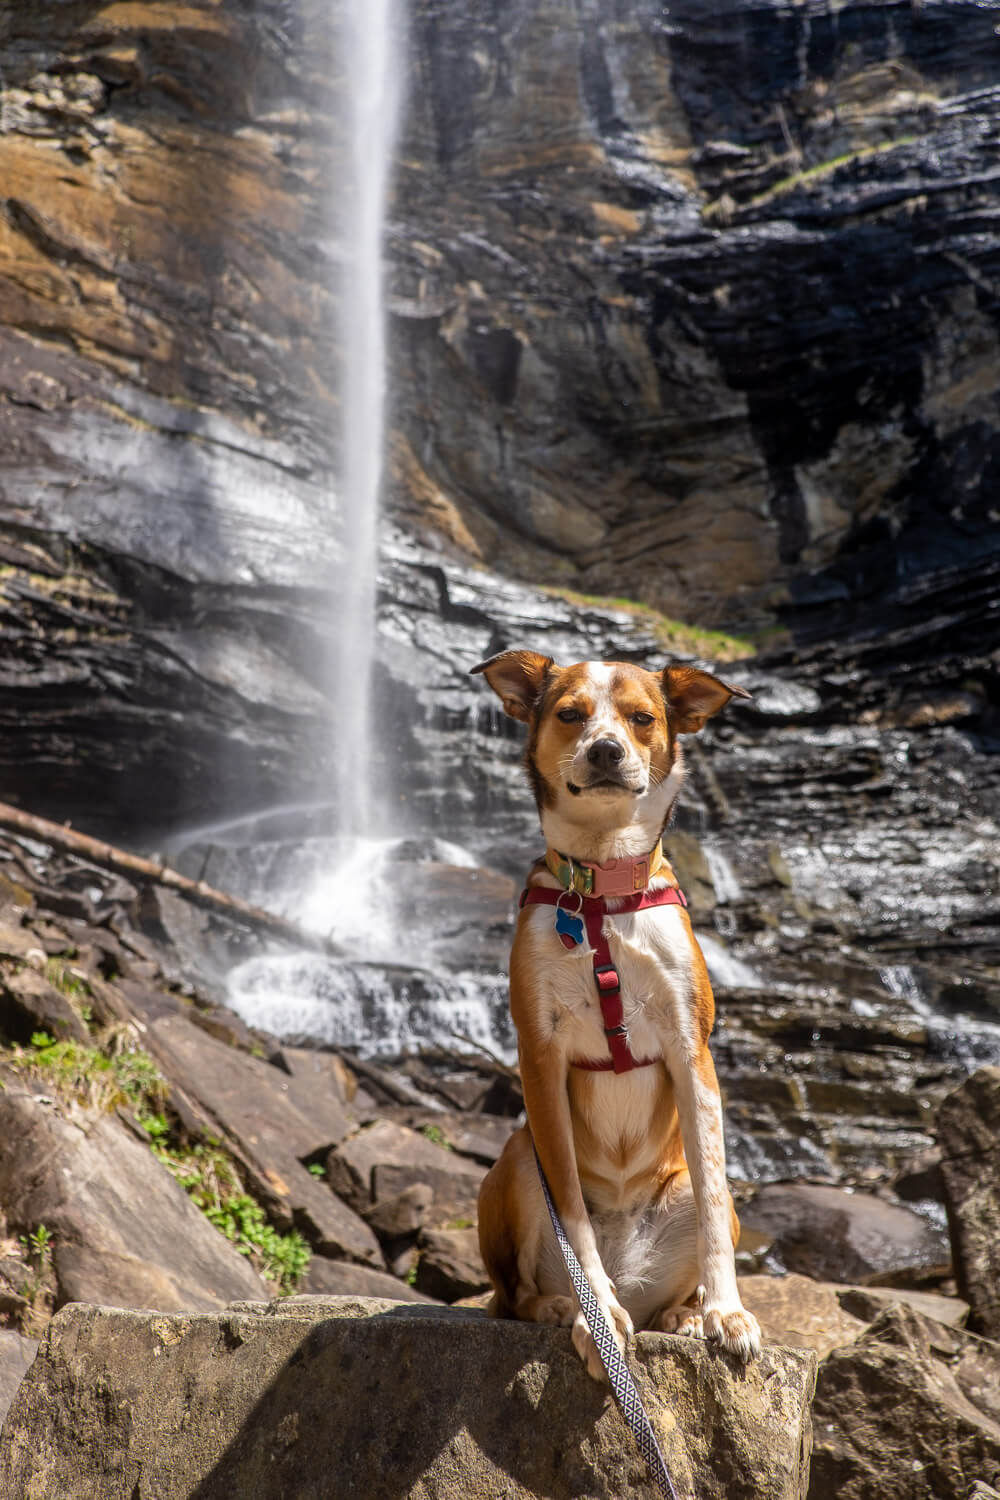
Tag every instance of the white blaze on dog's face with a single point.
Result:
(602, 754)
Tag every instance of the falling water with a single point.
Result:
(371, 74)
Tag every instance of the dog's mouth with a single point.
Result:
(604, 784)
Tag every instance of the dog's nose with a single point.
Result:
(606, 755)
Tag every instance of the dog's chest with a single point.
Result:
(651, 950)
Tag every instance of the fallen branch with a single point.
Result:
(119, 861)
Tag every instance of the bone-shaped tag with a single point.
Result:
(569, 928)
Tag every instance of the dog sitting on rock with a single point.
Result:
(613, 1008)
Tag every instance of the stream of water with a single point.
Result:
(372, 73)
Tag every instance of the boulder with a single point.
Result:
(29, 1002)
(353, 1167)
(824, 1315)
(450, 1265)
(910, 1410)
(454, 1193)
(969, 1137)
(835, 1235)
(342, 1278)
(345, 1397)
(124, 1232)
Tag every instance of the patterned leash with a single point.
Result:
(624, 1387)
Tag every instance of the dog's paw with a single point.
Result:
(687, 1321)
(737, 1331)
(583, 1343)
(560, 1311)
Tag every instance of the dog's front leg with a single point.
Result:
(696, 1090)
(546, 1100)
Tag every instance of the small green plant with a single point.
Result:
(73, 1069)
(411, 1276)
(317, 1169)
(37, 1245)
(210, 1179)
(435, 1134)
(69, 982)
(36, 1288)
(144, 1086)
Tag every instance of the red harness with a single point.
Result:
(594, 909)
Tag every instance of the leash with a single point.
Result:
(624, 1387)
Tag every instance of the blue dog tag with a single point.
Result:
(569, 926)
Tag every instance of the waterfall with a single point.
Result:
(371, 73)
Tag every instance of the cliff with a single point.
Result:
(696, 309)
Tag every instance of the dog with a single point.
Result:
(625, 1117)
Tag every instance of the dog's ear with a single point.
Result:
(693, 696)
(518, 679)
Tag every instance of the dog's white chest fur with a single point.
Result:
(651, 950)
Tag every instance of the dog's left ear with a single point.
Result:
(518, 679)
(693, 696)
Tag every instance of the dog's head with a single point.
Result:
(602, 749)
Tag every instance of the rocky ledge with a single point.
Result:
(315, 1397)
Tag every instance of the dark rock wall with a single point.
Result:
(723, 279)
(166, 407)
(693, 305)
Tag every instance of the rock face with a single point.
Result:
(379, 1399)
(969, 1133)
(909, 1410)
(709, 277)
(657, 331)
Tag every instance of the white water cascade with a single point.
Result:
(343, 886)
(371, 71)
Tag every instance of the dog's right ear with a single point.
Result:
(518, 678)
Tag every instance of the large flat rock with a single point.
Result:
(314, 1398)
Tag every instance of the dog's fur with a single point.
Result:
(635, 1161)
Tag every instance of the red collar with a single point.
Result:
(591, 912)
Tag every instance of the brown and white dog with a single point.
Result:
(635, 1159)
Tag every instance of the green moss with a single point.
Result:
(435, 1134)
(805, 177)
(676, 635)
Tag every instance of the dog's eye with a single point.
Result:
(642, 719)
(570, 715)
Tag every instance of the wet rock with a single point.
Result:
(904, 1412)
(969, 1132)
(838, 1236)
(244, 1403)
(124, 1232)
